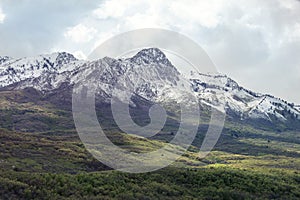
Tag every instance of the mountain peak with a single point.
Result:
(64, 58)
(154, 52)
(66, 54)
(20, 69)
(4, 59)
(151, 55)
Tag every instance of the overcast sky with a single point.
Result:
(257, 43)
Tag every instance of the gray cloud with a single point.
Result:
(33, 27)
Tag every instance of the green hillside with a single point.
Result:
(42, 157)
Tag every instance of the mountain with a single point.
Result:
(240, 101)
(43, 157)
(151, 76)
(17, 70)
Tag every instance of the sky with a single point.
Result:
(257, 43)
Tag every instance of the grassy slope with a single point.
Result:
(43, 158)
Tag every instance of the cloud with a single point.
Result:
(204, 13)
(35, 27)
(2, 16)
(80, 55)
(112, 9)
(80, 33)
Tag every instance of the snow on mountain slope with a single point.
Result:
(16, 70)
(4, 59)
(222, 90)
(150, 75)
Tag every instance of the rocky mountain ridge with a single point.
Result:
(148, 74)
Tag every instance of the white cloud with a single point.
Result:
(2, 16)
(80, 55)
(113, 9)
(290, 4)
(144, 21)
(204, 13)
(293, 33)
(141, 13)
(80, 33)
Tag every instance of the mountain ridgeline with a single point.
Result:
(152, 77)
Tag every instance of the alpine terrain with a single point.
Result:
(257, 155)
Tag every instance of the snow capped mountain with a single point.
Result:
(148, 74)
(4, 59)
(221, 90)
(151, 55)
(16, 70)
(297, 107)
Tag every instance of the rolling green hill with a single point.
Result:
(42, 157)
